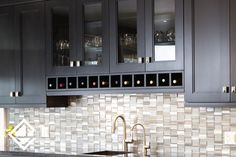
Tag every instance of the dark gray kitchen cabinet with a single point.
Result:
(30, 52)
(146, 35)
(127, 36)
(92, 25)
(164, 35)
(24, 75)
(77, 37)
(60, 37)
(7, 52)
(207, 51)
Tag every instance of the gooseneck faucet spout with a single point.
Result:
(125, 144)
(124, 124)
(145, 147)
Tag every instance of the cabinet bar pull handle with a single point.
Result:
(140, 60)
(233, 89)
(72, 63)
(225, 89)
(78, 63)
(18, 94)
(12, 94)
(148, 60)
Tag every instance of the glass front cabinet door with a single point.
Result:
(127, 39)
(93, 36)
(164, 34)
(60, 43)
(102, 36)
(77, 37)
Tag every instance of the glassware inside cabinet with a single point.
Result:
(93, 45)
(127, 31)
(61, 43)
(164, 30)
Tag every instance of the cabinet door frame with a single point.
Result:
(177, 64)
(10, 68)
(60, 70)
(191, 95)
(93, 69)
(28, 78)
(126, 67)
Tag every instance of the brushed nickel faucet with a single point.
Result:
(145, 146)
(125, 141)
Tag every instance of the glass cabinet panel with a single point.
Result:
(127, 31)
(93, 45)
(164, 30)
(60, 33)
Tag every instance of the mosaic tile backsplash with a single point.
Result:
(171, 128)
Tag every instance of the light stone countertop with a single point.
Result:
(29, 154)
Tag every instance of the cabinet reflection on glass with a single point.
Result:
(92, 33)
(164, 30)
(61, 43)
(127, 31)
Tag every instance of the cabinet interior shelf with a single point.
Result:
(165, 43)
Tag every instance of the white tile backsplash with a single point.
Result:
(172, 129)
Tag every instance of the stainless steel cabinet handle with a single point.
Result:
(12, 94)
(78, 63)
(225, 89)
(148, 60)
(72, 63)
(18, 94)
(140, 60)
(233, 89)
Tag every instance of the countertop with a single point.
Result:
(28, 154)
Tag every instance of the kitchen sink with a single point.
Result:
(108, 153)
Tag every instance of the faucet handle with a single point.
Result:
(146, 147)
(129, 141)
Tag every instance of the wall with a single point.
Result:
(172, 129)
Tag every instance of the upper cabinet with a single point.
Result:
(127, 39)
(22, 71)
(114, 44)
(114, 36)
(77, 37)
(60, 37)
(7, 52)
(209, 60)
(92, 36)
(164, 34)
(146, 35)
(30, 54)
